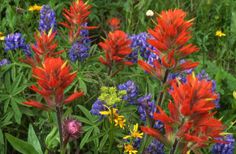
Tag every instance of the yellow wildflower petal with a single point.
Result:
(189, 151)
(126, 137)
(35, 7)
(130, 149)
(2, 38)
(234, 94)
(104, 112)
(219, 33)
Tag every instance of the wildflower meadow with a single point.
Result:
(114, 77)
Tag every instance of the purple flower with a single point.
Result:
(71, 128)
(84, 34)
(139, 44)
(16, 41)
(4, 62)
(47, 19)
(78, 51)
(145, 104)
(155, 147)
(131, 89)
(221, 148)
(97, 107)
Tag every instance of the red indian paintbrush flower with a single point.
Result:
(116, 48)
(191, 121)
(114, 23)
(52, 79)
(76, 17)
(170, 38)
(44, 47)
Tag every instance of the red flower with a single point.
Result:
(170, 38)
(76, 17)
(44, 47)
(190, 116)
(114, 23)
(116, 48)
(52, 79)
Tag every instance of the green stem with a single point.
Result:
(59, 122)
(174, 147)
(111, 137)
(162, 93)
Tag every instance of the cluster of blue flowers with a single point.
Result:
(131, 91)
(146, 105)
(47, 19)
(79, 49)
(4, 62)
(221, 148)
(156, 147)
(97, 107)
(16, 41)
(139, 44)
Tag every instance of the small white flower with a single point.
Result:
(149, 13)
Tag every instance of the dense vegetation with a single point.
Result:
(127, 76)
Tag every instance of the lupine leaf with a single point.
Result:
(20, 145)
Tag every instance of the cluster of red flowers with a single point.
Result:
(76, 17)
(170, 38)
(44, 47)
(52, 79)
(191, 121)
(116, 48)
(50, 71)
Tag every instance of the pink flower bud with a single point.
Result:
(72, 128)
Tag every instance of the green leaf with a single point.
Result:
(33, 139)
(84, 120)
(86, 112)
(83, 86)
(86, 137)
(20, 145)
(16, 110)
(103, 141)
(52, 139)
(1, 138)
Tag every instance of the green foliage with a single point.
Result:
(20, 145)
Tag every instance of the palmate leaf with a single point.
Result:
(20, 145)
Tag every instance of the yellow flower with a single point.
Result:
(109, 112)
(120, 121)
(234, 94)
(219, 33)
(134, 133)
(1, 36)
(130, 149)
(35, 7)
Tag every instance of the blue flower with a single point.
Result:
(97, 107)
(131, 89)
(16, 41)
(139, 44)
(155, 147)
(84, 35)
(221, 148)
(4, 62)
(146, 105)
(47, 19)
(78, 51)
